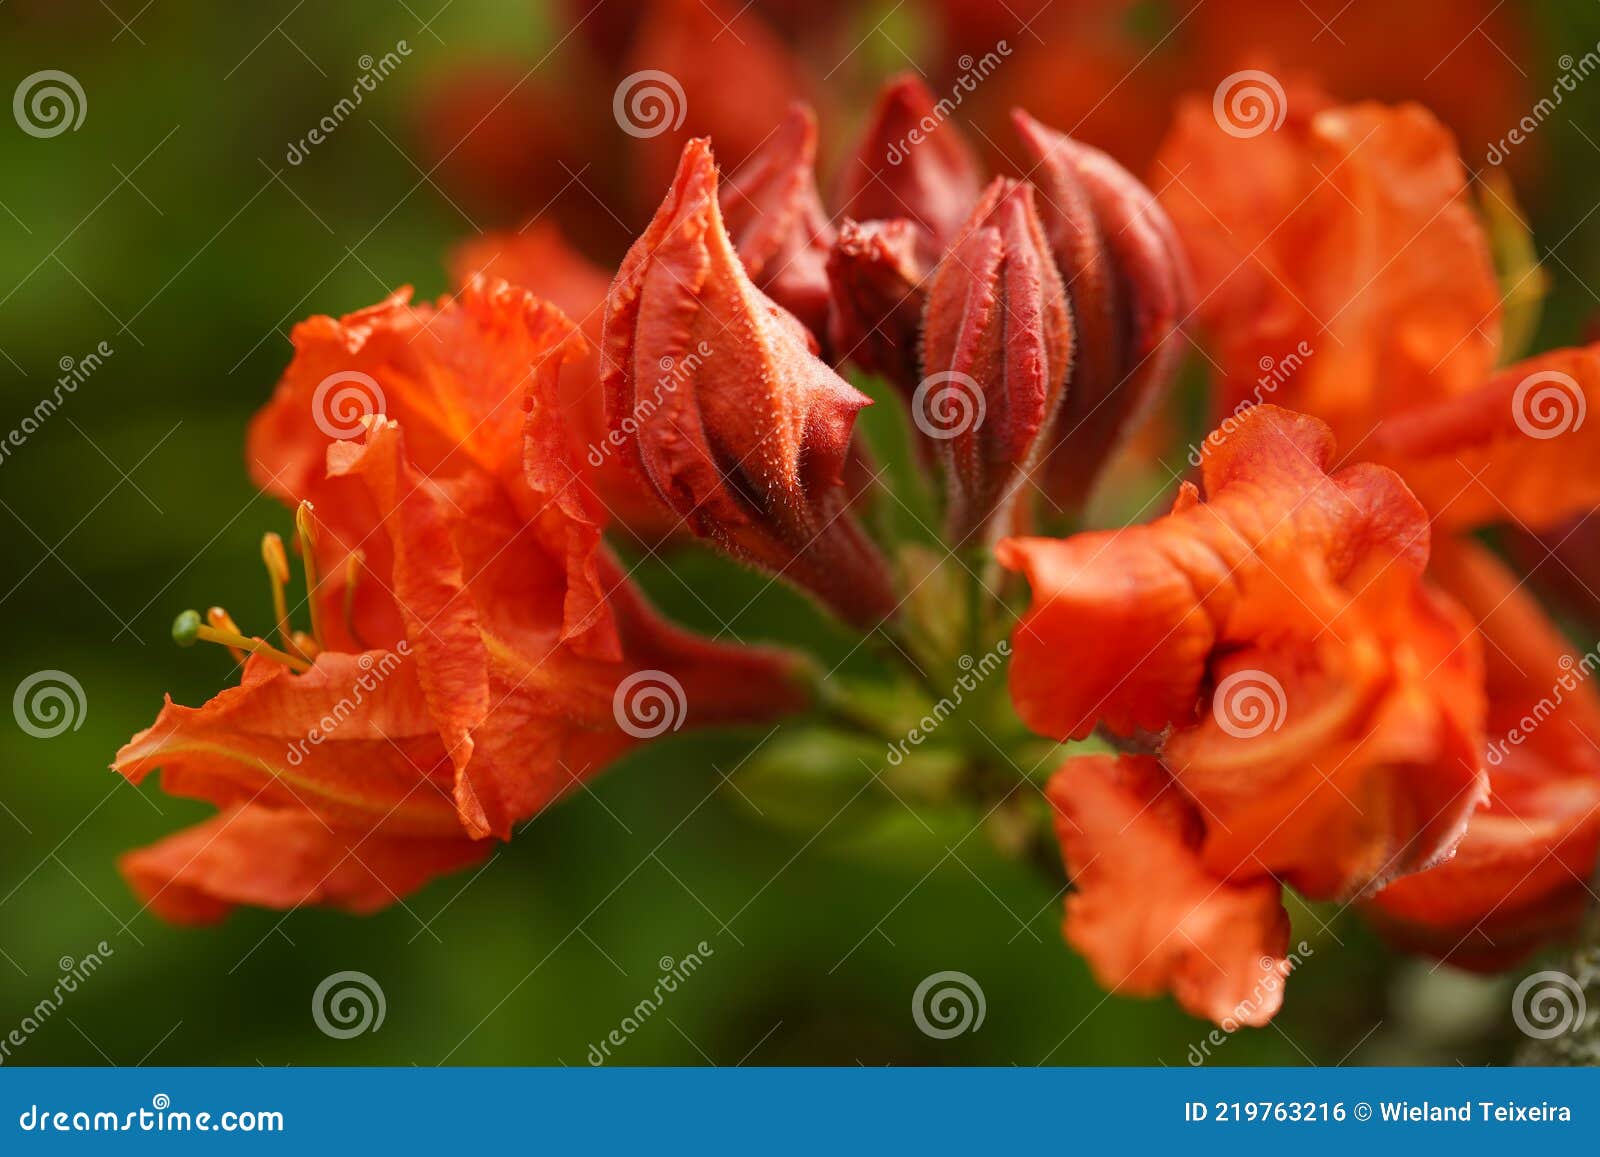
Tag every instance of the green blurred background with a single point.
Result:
(169, 228)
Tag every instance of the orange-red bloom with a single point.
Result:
(1320, 709)
(1397, 340)
(477, 654)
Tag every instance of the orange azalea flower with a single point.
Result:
(1398, 346)
(1325, 709)
(475, 651)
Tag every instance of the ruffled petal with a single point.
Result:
(1146, 912)
(1340, 268)
(1141, 610)
(1520, 877)
(1342, 759)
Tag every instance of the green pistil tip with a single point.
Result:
(186, 629)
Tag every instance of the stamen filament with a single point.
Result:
(305, 525)
(188, 628)
(223, 621)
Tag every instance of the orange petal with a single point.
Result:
(284, 859)
(1344, 759)
(351, 741)
(1141, 610)
(1146, 912)
(1340, 268)
(1520, 878)
(1521, 448)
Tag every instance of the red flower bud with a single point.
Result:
(911, 163)
(774, 215)
(997, 350)
(724, 410)
(876, 275)
(1129, 286)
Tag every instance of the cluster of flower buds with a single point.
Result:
(1027, 324)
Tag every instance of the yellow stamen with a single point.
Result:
(305, 524)
(187, 629)
(223, 621)
(272, 553)
(306, 645)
